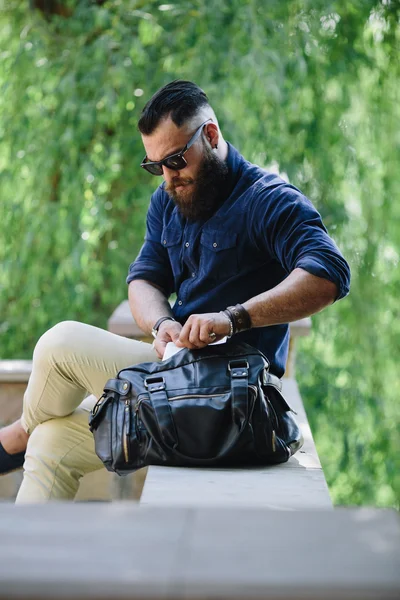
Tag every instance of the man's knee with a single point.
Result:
(55, 343)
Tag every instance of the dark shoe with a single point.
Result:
(10, 462)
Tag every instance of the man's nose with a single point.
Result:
(169, 174)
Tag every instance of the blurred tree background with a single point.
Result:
(309, 86)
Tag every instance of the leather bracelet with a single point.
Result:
(230, 334)
(239, 317)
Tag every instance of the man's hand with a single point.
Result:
(196, 331)
(168, 332)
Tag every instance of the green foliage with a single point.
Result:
(308, 85)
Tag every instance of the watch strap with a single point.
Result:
(157, 324)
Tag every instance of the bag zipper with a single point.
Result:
(273, 440)
(184, 396)
(127, 429)
(274, 412)
(273, 433)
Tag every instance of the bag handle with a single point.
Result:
(155, 384)
(239, 370)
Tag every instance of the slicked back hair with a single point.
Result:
(180, 99)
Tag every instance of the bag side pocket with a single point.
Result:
(288, 434)
(100, 424)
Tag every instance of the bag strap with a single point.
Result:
(155, 385)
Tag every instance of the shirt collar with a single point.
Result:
(235, 161)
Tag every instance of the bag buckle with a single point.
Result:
(154, 383)
(238, 368)
(96, 407)
(240, 363)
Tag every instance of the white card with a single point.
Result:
(172, 349)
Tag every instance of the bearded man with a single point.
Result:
(245, 252)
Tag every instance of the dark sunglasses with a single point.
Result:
(173, 161)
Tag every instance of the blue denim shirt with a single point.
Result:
(262, 231)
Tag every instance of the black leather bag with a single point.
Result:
(218, 406)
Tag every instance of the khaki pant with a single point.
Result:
(69, 361)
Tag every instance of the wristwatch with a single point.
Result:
(156, 326)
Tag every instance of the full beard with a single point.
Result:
(203, 195)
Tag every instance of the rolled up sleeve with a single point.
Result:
(152, 263)
(289, 227)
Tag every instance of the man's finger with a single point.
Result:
(175, 336)
(194, 335)
(184, 332)
(207, 336)
(159, 347)
(187, 335)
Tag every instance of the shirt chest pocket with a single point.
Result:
(171, 239)
(219, 254)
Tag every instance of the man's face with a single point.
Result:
(198, 188)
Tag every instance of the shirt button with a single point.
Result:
(180, 302)
(187, 244)
(165, 242)
(215, 244)
(193, 274)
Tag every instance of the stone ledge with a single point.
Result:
(15, 371)
(121, 550)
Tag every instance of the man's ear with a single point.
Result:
(212, 135)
